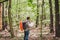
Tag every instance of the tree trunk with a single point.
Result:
(51, 17)
(37, 18)
(57, 27)
(42, 17)
(10, 19)
(2, 16)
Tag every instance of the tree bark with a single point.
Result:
(51, 17)
(37, 18)
(42, 17)
(2, 16)
(57, 18)
(10, 19)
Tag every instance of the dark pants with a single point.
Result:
(26, 35)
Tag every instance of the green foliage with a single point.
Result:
(2, 0)
(21, 9)
(30, 1)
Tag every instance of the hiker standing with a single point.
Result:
(26, 28)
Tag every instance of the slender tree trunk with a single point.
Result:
(57, 27)
(42, 17)
(51, 17)
(10, 19)
(59, 20)
(37, 18)
(2, 15)
(42, 9)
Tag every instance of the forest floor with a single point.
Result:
(35, 34)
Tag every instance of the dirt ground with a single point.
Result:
(35, 34)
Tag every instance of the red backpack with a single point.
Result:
(21, 26)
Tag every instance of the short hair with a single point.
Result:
(28, 18)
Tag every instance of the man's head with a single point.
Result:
(28, 18)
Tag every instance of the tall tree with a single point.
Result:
(42, 16)
(51, 17)
(2, 15)
(10, 19)
(57, 27)
(37, 18)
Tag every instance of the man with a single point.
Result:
(26, 28)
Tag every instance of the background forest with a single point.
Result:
(44, 13)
